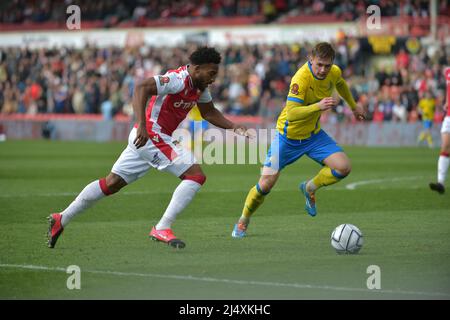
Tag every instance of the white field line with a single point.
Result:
(229, 281)
(350, 186)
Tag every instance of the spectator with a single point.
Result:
(402, 59)
(399, 111)
(78, 99)
(10, 97)
(107, 110)
(60, 98)
(251, 80)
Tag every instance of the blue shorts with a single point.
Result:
(284, 151)
(427, 124)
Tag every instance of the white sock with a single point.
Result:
(181, 197)
(87, 197)
(443, 163)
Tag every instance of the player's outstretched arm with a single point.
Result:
(142, 92)
(344, 91)
(215, 117)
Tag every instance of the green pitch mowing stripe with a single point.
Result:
(287, 254)
(232, 282)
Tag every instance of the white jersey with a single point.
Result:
(176, 97)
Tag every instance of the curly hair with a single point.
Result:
(205, 55)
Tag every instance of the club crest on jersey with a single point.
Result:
(184, 105)
(294, 89)
(163, 80)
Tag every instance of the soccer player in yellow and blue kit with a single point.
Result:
(299, 133)
(427, 106)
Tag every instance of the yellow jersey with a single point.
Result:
(194, 114)
(300, 116)
(427, 106)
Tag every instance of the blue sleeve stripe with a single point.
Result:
(295, 99)
(337, 175)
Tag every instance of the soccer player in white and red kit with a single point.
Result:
(150, 143)
(444, 161)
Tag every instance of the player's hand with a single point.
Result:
(360, 113)
(242, 131)
(141, 137)
(327, 103)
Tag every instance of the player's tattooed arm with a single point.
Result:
(142, 93)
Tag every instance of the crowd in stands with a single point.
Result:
(113, 12)
(253, 79)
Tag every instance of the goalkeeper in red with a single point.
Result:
(299, 133)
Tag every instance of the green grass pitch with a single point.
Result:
(287, 254)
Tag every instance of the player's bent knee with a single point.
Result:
(346, 170)
(341, 172)
(266, 184)
(112, 184)
(199, 178)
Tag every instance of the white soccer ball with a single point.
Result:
(347, 238)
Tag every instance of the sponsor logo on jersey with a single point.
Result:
(184, 105)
